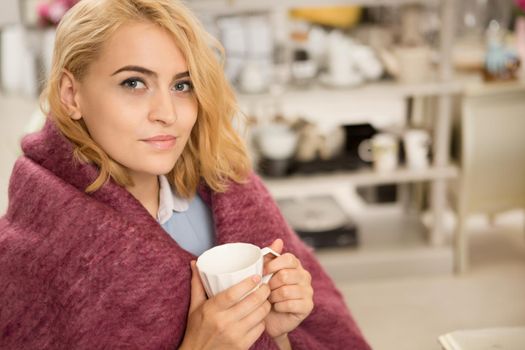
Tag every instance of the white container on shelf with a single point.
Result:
(417, 145)
(277, 141)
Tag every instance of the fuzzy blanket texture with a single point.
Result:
(96, 271)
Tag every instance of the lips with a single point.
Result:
(161, 142)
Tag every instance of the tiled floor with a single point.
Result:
(394, 313)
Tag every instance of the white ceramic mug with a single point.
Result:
(228, 264)
(382, 149)
(417, 144)
(277, 141)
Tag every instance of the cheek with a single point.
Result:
(188, 116)
(112, 124)
(109, 123)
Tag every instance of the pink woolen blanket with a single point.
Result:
(81, 271)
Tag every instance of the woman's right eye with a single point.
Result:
(133, 83)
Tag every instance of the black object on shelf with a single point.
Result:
(320, 221)
(341, 237)
(355, 135)
(378, 194)
(275, 167)
(341, 162)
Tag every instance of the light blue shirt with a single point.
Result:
(188, 222)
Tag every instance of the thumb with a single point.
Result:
(277, 245)
(198, 294)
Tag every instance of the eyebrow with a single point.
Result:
(146, 71)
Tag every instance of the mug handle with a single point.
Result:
(264, 251)
(364, 151)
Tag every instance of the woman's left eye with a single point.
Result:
(183, 86)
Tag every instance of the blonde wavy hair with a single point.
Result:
(215, 153)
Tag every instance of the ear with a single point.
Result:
(69, 94)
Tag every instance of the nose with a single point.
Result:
(162, 108)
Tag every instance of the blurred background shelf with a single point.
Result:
(353, 105)
(374, 89)
(304, 184)
(501, 88)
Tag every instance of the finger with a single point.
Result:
(301, 307)
(276, 246)
(286, 277)
(257, 316)
(285, 261)
(251, 302)
(231, 296)
(290, 292)
(198, 294)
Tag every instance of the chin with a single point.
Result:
(161, 170)
(154, 165)
(158, 167)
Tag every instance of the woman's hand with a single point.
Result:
(291, 293)
(225, 321)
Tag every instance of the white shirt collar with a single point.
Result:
(169, 201)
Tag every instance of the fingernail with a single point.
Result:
(256, 278)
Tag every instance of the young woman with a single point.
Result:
(136, 172)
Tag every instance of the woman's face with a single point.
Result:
(137, 100)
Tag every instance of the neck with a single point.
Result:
(146, 190)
